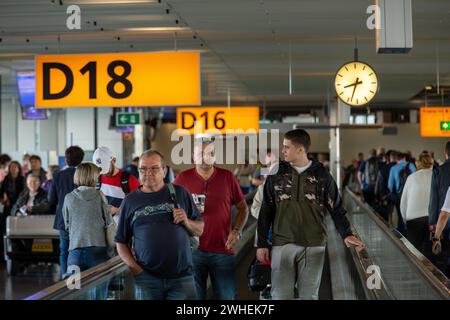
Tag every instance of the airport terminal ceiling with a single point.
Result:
(245, 46)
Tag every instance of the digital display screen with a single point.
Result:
(124, 129)
(26, 88)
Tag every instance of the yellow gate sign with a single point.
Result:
(197, 120)
(434, 121)
(118, 80)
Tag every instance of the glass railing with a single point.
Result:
(405, 272)
(109, 280)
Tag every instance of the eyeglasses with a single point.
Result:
(144, 170)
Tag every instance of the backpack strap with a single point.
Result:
(98, 185)
(173, 194)
(407, 169)
(124, 182)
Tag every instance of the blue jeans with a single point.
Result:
(86, 258)
(221, 269)
(63, 251)
(148, 287)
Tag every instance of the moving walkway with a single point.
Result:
(389, 268)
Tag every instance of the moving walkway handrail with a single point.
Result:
(438, 281)
(87, 277)
(348, 270)
(362, 261)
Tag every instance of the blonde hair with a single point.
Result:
(86, 174)
(424, 161)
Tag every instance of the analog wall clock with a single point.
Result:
(356, 83)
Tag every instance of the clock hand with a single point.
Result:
(354, 84)
(350, 85)
(354, 88)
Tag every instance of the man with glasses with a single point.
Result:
(220, 190)
(160, 227)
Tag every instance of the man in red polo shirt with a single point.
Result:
(220, 190)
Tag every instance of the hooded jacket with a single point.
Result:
(294, 205)
(86, 215)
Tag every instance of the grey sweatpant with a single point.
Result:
(296, 268)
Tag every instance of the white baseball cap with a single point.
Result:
(102, 158)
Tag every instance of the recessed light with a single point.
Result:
(156, 29)
(118, 1)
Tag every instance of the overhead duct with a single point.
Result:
(395, 34)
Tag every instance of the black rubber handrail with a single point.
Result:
(431, 274)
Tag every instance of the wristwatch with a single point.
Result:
(239, 232)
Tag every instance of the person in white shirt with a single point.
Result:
(272, 161)
(415, 200)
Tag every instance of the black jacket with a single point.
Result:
(440, 182)
(12, 188)
(62, 184)
(40, 203)
(294, 205)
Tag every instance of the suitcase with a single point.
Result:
(30, 226)
(30, 239)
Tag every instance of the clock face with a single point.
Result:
(356, 83)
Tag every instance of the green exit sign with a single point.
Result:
(127, 119)
(445, 125)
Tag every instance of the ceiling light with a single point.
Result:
(118, 1)
(157, 29)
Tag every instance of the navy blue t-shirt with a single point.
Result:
(162, 247)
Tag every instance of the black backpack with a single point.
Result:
(371, 171)
(124, 182)
(403, 175)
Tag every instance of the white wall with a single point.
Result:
(80, 127)
(54, 134)
(33, 136)
(8, 132)
(62, 131)
(109, 138)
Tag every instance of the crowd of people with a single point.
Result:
(175, 232)
(409, 194)
(154, 217)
